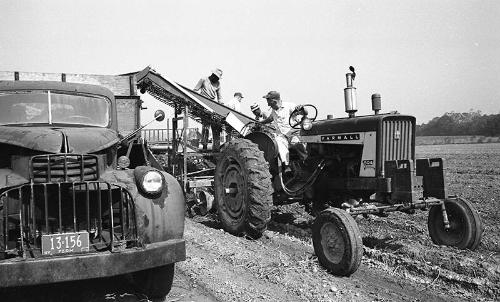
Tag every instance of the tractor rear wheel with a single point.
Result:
(465, 224)
(337, 241)
(243, 189)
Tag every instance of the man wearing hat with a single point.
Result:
(256, 111)
(280, 116)
(210, 88)
(235, 102)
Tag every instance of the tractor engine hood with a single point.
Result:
(52, 140)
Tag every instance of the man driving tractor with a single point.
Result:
(279, 117)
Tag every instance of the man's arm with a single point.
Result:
(219, 94)
(267, 119)
(199, 85)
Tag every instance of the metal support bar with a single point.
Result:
(184, 147)
(378, 208)
(174, 134)
(111, 220)
(144, 152)
(446, 222)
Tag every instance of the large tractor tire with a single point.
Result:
(465, 224)
(243, 189)
(337, 241)
(155, 282)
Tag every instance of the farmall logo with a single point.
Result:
(340, 137)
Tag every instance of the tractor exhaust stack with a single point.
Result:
(350, 93)
(376, 103)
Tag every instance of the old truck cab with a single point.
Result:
(71, 208)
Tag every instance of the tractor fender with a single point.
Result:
(266, 143)
(158, 219)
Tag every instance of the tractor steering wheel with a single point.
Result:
(302, 115)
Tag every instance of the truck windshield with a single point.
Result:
(47, 107)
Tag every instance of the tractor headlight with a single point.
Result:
(150, 181)
(307, 124)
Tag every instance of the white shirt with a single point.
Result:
(234, 104)
(282, 115)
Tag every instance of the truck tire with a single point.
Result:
(465, 224)
(155, 282)
(337, 241)
(243, 189)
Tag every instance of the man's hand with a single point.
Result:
(301, 108)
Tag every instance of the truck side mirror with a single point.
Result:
(159, 115)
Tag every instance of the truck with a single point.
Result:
(78, 198)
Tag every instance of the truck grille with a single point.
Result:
(27, 212)
(64, 168)
(397, 139)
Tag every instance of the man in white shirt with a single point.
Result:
(279, 117)
(235, 102)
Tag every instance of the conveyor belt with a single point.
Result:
(201, 109)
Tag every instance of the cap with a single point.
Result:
(217, 72)
(238, 94)
(272, 95)
(254, 107)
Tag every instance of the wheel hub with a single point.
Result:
(455, 232)
(331, 240)
(233, 191)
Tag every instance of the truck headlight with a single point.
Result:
(307, 124)
(149, 180)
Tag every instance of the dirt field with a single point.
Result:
(400, 263)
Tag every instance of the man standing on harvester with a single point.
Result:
(210, 88)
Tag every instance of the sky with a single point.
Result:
(424, 57)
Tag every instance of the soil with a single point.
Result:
(400, 262)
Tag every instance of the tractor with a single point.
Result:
(357, 165)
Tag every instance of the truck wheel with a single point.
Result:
(337, 241)
(243, 189)
(155, 282)
(465, 224)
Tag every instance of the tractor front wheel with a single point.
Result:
(243, 189)
(337, 241)
(465, 229)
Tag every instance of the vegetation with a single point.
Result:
(467, 123)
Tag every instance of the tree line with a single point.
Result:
(467, 123)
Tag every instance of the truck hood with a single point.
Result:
(44, 139)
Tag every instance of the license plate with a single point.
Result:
(57, 244)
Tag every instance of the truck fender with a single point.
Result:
(157, 219)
